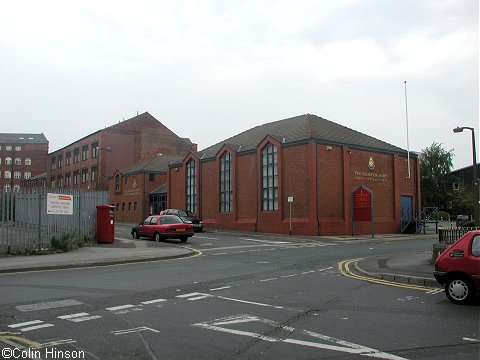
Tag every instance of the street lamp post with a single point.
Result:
(476, 199)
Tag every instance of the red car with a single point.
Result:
(458, 267)
(163, 227)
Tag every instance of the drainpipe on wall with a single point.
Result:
(256, 184)
(316, 187)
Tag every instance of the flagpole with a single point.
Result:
(408, 141)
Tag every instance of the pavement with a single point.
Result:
(408, 268)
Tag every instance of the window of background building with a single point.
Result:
(68, 158)
(27, 175)
(269, 178)
(76, 177)
(191, 186)
(117, 184)
(151, 177)
(84, 152)
(94, 150)
(7, 187)
(129, 206)
(16, 187)
(17, 174)
(84, 176)
(226, 192)
(18, 148)
(94, 174)
(18, 161)
(7, 174)
(28, 161)
(68, 179)
(53, 163)
(76, 155)
(123, 206)
(8, 161)
(60, 161)
(8, 148)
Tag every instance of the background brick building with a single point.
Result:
(141, 190)
(244, 182)
(88, 162)
(22, 157)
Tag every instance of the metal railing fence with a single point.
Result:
(451, 234)
(25, 225)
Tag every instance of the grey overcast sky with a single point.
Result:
(211, 69)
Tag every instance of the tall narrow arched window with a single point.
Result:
(191, 188)
(226, 190)
(269, 178)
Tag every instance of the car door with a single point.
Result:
(472, 263)
(144, 227)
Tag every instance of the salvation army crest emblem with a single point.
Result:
(371, 164)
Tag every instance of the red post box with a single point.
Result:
(105, 224)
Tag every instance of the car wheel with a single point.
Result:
(157, 237)
(135, 234)
(459, 290)
(184, 239)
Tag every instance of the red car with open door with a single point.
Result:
(160, 227)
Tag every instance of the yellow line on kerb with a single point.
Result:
(344, 268)
(19, 340)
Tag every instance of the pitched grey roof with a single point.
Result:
(14, 138)
(300, 128)
(161, 190)
(157, 164)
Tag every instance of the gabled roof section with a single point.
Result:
(159, 163)
(14, 138)
(301, 128)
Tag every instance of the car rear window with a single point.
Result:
(170, 219)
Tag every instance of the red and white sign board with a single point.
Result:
(59, 204)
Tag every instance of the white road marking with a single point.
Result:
(206, 237)
(72, 316)
(189, 295)
(36, 327)
(270, 279)
(288, 276)
(14, 326)
(86, 318)
(153, 301)
(134, 330)
(220, 288)
(199, 297)
(121, 307)
(328, 268)
(270, 242)
(48, 305)
(250, 302)
(470, 339)
(308, 272)
(337, 344)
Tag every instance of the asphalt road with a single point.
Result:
(245, 297)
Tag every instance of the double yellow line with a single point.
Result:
(344, 268)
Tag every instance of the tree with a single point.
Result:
(435, 166)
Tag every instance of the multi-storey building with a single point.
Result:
(88, 162)
(22, 156)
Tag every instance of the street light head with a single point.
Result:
(458, 129)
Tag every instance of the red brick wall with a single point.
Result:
(341, 170)
(133, 197)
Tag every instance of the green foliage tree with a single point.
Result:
(435, 167)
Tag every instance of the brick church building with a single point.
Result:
(249, 181)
